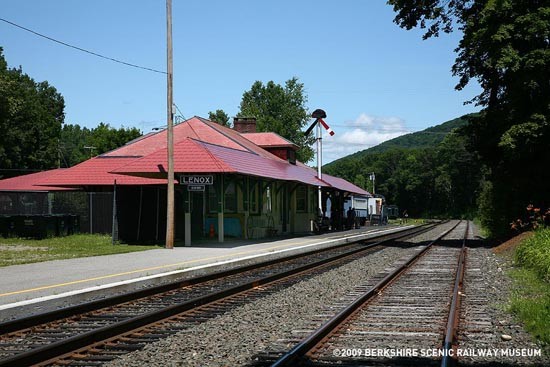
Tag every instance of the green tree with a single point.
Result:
(459, 175)
(281, 110)
(106, 138)
(505, 48)
(102, 138)
(73, 140)
(437, 181)
(31, 115)
(220, 117)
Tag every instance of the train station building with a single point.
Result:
(229, 183)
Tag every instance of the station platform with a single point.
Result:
(34, 288)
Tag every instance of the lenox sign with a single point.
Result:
(197, 180)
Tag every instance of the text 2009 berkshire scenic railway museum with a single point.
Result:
(230, 183)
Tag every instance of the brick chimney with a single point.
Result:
(244, 124)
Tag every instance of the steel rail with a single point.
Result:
(42, 318)
(292, 357)
(56, 349)
(451, 332)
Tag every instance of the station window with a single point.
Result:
(212, 199)
(231, 198)
(269, 198)
(301, 199)
(254, 197)
(270, 204)
(313, 201)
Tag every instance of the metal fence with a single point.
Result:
(23, 203)
(94, 209)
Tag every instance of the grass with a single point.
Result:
(530, 300)
(483, 230)
(531, 303)
(14, 251)
(534, 253)
(410, 221)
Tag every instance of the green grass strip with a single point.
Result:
(14, 251)
(534, 253)
(530, 302)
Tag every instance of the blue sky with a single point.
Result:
(374, 79)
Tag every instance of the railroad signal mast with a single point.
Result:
(319, 115)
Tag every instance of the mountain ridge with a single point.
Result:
(428, 137)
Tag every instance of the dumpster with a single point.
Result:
(35, 226)
(61, 225)
(27, 226)
(73, 224)
(4, 226)
(39, 226)
(9, 229)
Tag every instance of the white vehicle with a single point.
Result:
(377, 211)
(360, 205)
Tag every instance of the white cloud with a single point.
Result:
(362, 133)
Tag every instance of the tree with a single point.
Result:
(281, 110)
(505, 48)
(72, 143)
(220, 117)
(31, 115)
(31, 131)
(106, 138)
(102, 138)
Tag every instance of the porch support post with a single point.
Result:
(221, 204)
(246, 196)
(187, 216)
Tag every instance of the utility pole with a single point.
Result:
(372, 177)
(170, 132)
(91, 148)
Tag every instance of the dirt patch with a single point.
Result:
(512, 243)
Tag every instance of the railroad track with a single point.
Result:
(99, 331)
(406, 316)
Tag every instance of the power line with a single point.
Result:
(83, 50)
(181, 114)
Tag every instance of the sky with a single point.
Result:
(375, 80)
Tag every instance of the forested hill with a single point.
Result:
(429, 137)
(430, 173)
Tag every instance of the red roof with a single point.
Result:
(343, 185)
(269, 140)
(196, 128)
(200, 146)
(251, 164)
(96, 171)
(28, 182)
(190, 156)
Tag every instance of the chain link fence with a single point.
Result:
(87, 212)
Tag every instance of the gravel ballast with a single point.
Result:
(236, 337)
(276, 321)
(485, 324)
